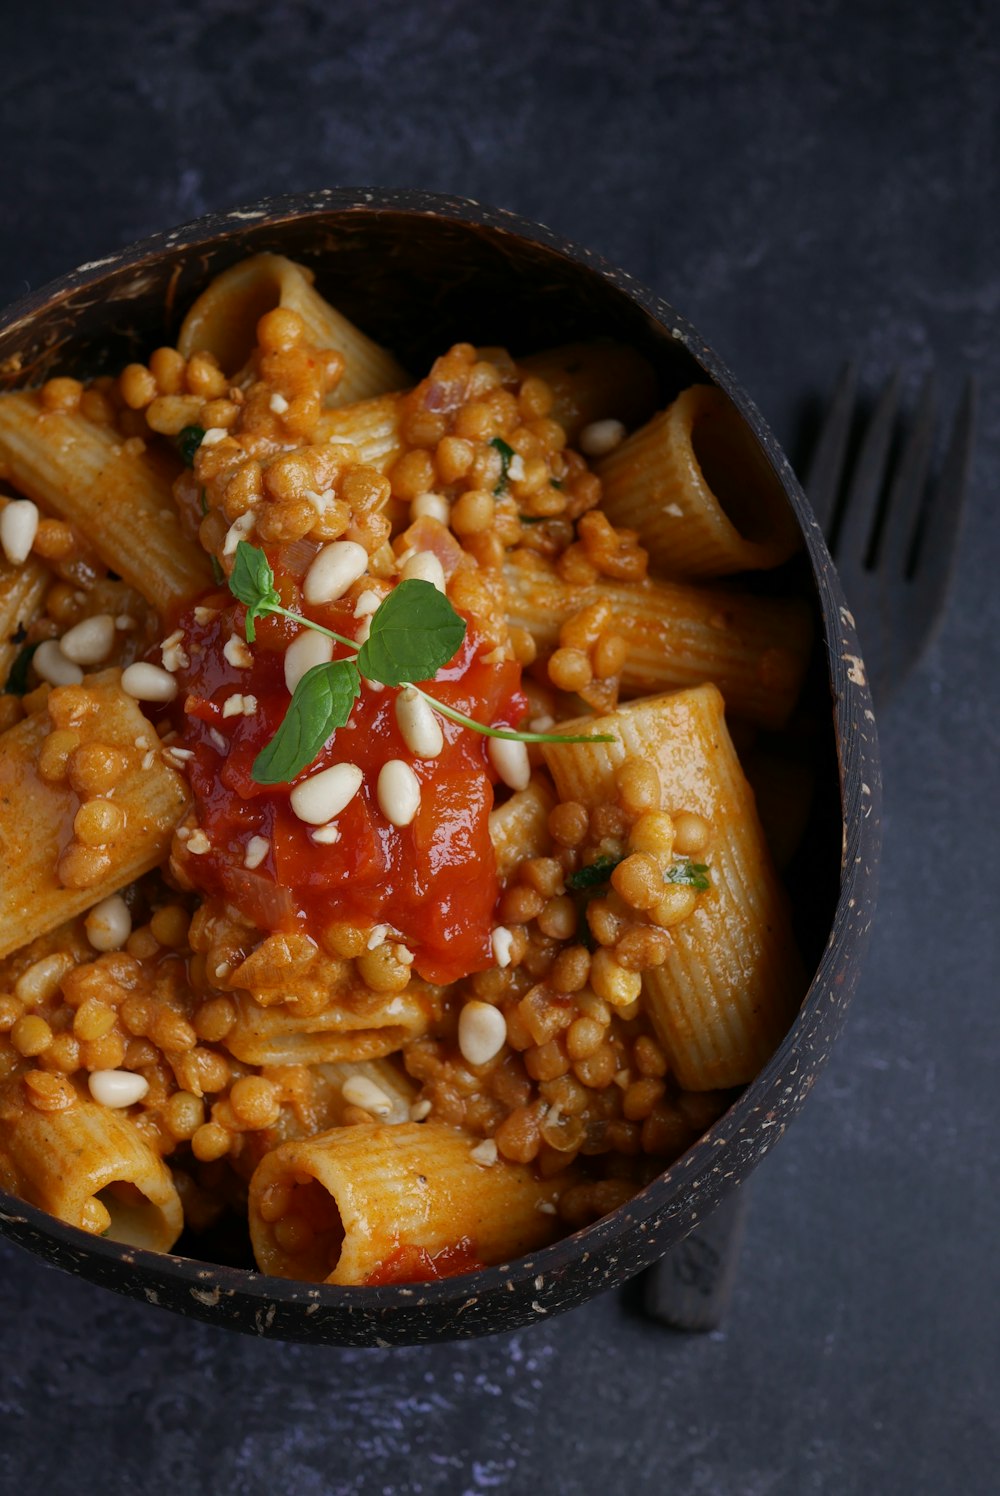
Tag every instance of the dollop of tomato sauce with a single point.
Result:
(410, 1264)
(434, 881)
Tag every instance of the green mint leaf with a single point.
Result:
(594, 874)
(321, 703)
(694, 874)
(252, 582)
(506, 457)
(189, 439)
(414, 632)
(17, 679)
(532, 519)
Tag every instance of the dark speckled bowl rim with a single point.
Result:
(635, 1235)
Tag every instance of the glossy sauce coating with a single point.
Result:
(410, 1264)
(434, 881)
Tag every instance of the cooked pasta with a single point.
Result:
(377, 860)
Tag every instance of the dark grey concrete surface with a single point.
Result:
(805, 181)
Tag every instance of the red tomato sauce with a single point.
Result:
(409, 1264)
(433, 881)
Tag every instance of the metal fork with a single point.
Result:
(892, 534)
(893, 537)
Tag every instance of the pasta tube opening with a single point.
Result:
(699, 491)
(354, 1205)
(90, 1166)
(136, 1219)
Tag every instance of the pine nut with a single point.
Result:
(324, 795)
(237, 653)
(424, 567)
(601, 437)
(117, 1088)
(398, 792)
(148, 682)
(358, 1090)
(326, 836)
(430, 506)
(90, 641)
(257, 849)
(53, 666)
(485, 1153)
(337, 567)
(173, 655)
(109, 924)
(502, 942)
(367, 602)
(510, 759)
(418, 724)
(305, 651)
(18, 528)
(482, 1032)
(238, 530)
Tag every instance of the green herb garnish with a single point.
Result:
(322, 702)
(413, 633)
(507, 455)
(532, 519)
(252, 581)
(594, 874)
(189, 439)
(694, 874)
(17, 679)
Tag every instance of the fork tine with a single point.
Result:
(853, 535)
(936, 541)
(826, 470)
(903, 506)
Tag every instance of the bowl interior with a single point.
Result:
(418, 274)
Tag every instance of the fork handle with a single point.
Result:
(691, 1286)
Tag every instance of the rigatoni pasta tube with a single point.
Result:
(223, 319)
(37, 815)
(22, 589)
(76, 1161)
(279, 1036)
(325, 1096)
(696, 488)
(121, 500)
(594, 381)
(371, 427)
(732, 979)
(360, 1194)
(755, 649)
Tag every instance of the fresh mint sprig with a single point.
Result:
(413, 633)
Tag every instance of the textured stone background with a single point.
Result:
(805, 181)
